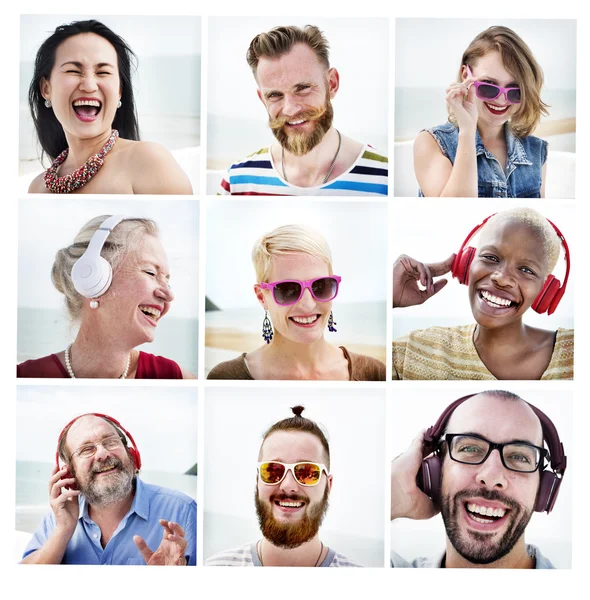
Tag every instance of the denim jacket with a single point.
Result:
(525, 160)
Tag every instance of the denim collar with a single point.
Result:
(140, 505)
(514, 149)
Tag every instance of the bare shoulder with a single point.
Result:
(425, 146)
(37, 186)
(187, 374)
(154, 170)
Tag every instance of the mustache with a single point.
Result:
(289, 498)
(311, 114)
(492, 495)
(109, 462)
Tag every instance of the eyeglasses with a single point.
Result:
(304, 473)
(290, 291)
(88, 450)
(491, 91)
(475, 450)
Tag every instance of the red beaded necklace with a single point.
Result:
(80, 177)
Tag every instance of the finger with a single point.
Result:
(437, 287)
(177, 529)
(56, 488)
(56, 475)
(146, 553)
(440, 268)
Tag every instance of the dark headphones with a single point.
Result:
(552, 290)
(429, 476)
(121, 431)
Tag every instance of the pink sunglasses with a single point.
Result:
(490, 91)
(290, 291)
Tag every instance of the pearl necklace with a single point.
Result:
(81, 176)
(259, 552)
(329, 170)
(71, 372)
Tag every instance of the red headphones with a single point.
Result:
(429, 476)
(552, 290)
(125, 435)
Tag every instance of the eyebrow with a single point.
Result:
(509, 442)
(294, 87)
(494, 80)
(80, 65)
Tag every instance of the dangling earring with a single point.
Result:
(94, 304)
(48, 103)
(119, 104)
(267, 332)
(331, 323)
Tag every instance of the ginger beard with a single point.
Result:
(290, 535)
(479, 547)
(300, 143)
(114, 486)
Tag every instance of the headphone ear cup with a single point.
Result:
(135, 457)
(548, 490)
(92, 276)
(428, 479)
(549, 292)
(462, 263)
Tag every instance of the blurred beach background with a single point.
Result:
(48, 224)
(167, 83)
(168, 449)
(357, 235)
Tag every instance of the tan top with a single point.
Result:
(449, 353)
(360, 368)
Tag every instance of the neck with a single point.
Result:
(309, 554)
(111, 514)
(314, 165)
(81, 149)
(299, 359)
(489, 133)
(95, 353)
(517, 558)
(510, 336)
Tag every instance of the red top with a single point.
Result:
(149, 366)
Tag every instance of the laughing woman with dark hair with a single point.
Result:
(82, 104)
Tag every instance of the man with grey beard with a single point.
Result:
(485, 467)
(291, 498)
(102, 512)
(310, 157)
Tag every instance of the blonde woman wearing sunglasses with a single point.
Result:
(486, 148)
(296, 287)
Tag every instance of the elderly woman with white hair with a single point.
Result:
(508, 273)
(296, 286)
(115, 280)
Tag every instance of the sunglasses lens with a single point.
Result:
(307, 473)
(324, 289)
(514, 96)
(272, 472)
(287, 292)
(487, 92)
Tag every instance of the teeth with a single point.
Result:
(496, 108)
(95, 103)
(151, 310)
(305, 320)
(296, 122)
(105, 469)
(494, 299)
(486, 511)
(291, 504)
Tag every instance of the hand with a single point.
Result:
(406, 274)
(171, 549)
(407, 500)
(64, 503)
(462, 100)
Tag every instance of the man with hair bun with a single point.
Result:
(310, 157)
(291, 497)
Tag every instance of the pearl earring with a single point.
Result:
(119, 104)
(48, 103)
(94, 304)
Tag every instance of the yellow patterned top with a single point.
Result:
(449, 353)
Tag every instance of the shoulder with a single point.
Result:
(460, 334)
(168, 496)
(561, 365)
(435, 138)
(37, 186)
(372, 158)
(258, 159)
(339, 560)
(154, 170)
(235, 557)
(365, 368)
(399, 562)
(150, 366)
(48, 366)
(541, 562)
(231, 369)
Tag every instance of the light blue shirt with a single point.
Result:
(150, 504)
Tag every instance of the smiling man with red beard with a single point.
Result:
(101, 511)
(310, 157)
(483, 466)
(291, 497)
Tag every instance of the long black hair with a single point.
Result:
(49, 131)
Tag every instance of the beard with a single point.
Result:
(104, 490)
(300, 143)
(479, 547)
(290, 535)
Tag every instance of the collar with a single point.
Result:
(140, 505)
(514, 148)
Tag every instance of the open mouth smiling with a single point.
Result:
(305, 321)
(152, 313)
(497, 110)
(485, 517)
(495, 301)
(87, 109)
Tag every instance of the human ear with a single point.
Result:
(45, 88)
(260, 296)
(333, 81)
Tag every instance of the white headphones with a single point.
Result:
(91, 273)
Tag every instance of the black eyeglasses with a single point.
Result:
(474, 450)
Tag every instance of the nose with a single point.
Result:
(492, 473)
(101, 453)
(306, 300)
(88, 82)
(291, 105)
(164, 292)
(503, 276)
(289, 483)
